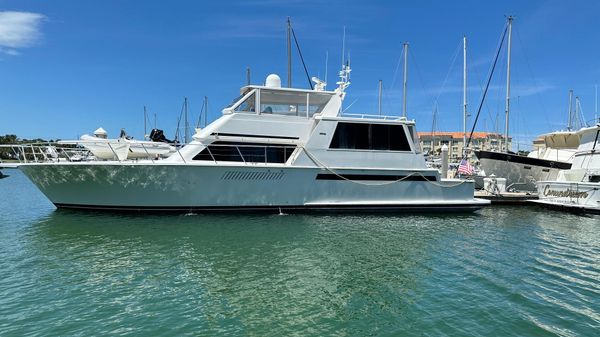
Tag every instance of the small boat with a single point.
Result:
(122, 148)
(578, 188)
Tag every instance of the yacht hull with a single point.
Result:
(522, 173)
(190, 187)
(571, 196)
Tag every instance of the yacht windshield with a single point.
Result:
(292, 103)
(235, 100)
(248, 105)
(415, 138)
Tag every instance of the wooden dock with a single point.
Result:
(507, 198)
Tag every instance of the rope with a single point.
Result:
(535, 80)
(447, 74)
(323, 166)
(487, 86)
(302, 59)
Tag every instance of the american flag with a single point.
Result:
(465, 167)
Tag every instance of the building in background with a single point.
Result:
(432, 142)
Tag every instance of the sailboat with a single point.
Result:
(522, 172)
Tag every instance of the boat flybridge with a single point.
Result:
(274, 149)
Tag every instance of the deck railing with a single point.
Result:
(43, 152)
(75, 152)
(367, 116)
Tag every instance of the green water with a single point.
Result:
(505, 271)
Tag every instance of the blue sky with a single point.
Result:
(69, 67)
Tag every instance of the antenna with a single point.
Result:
(344, 74)
(596, 106)
(344, 46)
(247, 75)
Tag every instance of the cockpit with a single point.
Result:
(280, 101)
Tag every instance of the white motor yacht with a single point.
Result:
(276, 149)
(577, 189)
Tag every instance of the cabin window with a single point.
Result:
(362, 136)
(248, 105)
(246, 152)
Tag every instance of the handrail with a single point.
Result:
(43, 152)
(384, 117)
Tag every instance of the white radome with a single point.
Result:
(273, 81)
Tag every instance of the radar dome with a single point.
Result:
(100, 133)
(273, 81)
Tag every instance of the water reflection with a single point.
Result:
(241, 272)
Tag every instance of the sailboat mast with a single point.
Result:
(464, 94)
(205, 110)
(289, 52)
(145, 118)
(185, 119)
(570, 122)
(596, 106)
(507, 110)
(576, 116)
(405, 79)
(379, 98)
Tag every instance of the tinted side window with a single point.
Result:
(369, 137)
(246, 152)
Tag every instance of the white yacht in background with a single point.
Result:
(578, 188)
(276, 149)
